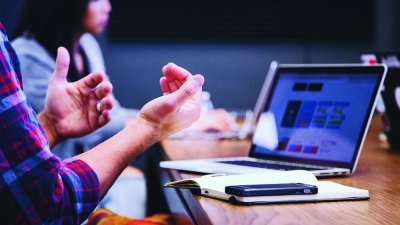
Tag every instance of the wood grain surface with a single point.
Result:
(378, 171)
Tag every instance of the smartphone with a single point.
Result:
(272, 189)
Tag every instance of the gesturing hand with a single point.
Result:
(180, 105)
(74, 109)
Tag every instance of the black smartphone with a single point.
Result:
(272, 189)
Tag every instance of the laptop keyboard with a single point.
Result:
(275, 166)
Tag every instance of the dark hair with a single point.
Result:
(53, 23)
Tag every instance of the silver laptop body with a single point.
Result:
(308, 116)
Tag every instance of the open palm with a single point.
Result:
(77, 108)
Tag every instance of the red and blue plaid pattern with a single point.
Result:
(35, 186)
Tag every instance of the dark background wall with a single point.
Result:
(232, 44)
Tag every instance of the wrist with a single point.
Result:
(153, 131)
(48, 128)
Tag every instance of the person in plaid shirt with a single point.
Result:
(36, 187)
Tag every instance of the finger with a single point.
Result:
(188, 90)
(103, 90)
(62, 64)
(173, 86)
(169, 87)
(180, 83)
(92, 80)
(104, 118)
(173, 72)
(165, 69)
(164, 85)
(106, 105)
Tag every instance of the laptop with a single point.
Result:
(313, 117)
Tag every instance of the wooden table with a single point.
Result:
(378, 171)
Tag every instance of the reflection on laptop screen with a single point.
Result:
(315, 116)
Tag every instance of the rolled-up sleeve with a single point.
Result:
(81, 190)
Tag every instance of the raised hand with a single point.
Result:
(177, 109)
(74, 109)
(180, 105)
(219, 120)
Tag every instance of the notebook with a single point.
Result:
(313, 117)
(214, 185)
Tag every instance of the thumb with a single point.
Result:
(62, 64)
(188, 89)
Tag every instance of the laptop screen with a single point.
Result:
(317, 114)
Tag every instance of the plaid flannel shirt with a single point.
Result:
(36, 187)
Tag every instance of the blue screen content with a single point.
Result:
(315, 116)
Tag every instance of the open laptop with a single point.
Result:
(314, 117)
